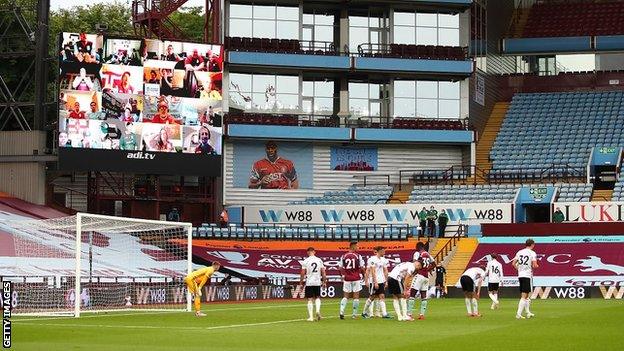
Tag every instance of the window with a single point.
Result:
(318, 27)
(426, 29)
(363, 30)
(261, 21)
(426, 99)
(318, 97)
(264, 92)
(367, 99)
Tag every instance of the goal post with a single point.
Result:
(96, 263)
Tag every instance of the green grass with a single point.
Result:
(559, 325)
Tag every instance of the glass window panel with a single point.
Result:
(258, 101)
(427, 19)
(307, 33)
(287, 84)
(287, 30)
(374, 22)
(262, 82)
(449, 90)
(405, 88)
(240, 27)
(426, 89)
(323, 33)
(358, 90)
(448, 37)
(375, 109)
(240, 11)
(325, 89)
(324, 105)
(308, 18)
(358, 21)
(449, 108)
(324, 19)
(426, 36)
(374, 91)
(264, 12)
(375, 37)
(357, 36)
(404, 107)
(358, 107)
(238, 101)
(243, 81)
(263, 29)
(308, 88)
(448, 21)
(427, 108)
(405, 18)
(288, 13)
(404, 35)
(307, 105)
(288, 101)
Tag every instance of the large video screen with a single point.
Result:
(141, 100)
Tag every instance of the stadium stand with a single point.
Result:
(353, 195)
(557, 130)
(574, 192)
(558, 19)
(618, 191)
(305, 232)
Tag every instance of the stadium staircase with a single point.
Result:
(153, 17)
(402, 195)
(459, 258)
(602, 195)
(521, 17)
(486, 141)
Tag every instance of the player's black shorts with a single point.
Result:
(380, 290)
(493, 287)
(467, 283)
(439, 282)
(312, 291)
(526, 285)
(395, 287)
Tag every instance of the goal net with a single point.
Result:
(89, 263)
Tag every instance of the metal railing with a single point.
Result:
(366, 179)
(412, 51)
(450, 245)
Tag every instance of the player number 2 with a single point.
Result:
(314, 268)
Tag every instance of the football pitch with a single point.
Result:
(558, 325)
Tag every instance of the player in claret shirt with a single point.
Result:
(351, 269)
(420, 283)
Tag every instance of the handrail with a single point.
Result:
(366, 176)
(448, 247)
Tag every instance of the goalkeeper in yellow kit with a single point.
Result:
(196, 281)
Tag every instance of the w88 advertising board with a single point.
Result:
(377, 214)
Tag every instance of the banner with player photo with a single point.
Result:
(274, 258)
(272, 165)
(353, 158)
(140, 95)
(583, 263)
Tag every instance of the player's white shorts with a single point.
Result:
(420, 283)
(351, 287)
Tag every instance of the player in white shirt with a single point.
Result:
(525, 262)
(494, 273)
(396, 281)
(471, 282)
(376, 277)
(313, 275)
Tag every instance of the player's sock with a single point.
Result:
(367, 305)
(343, 305)
(374, 308)
(468, 305)
(382, 303)
(356, 306)
(311, 309)
(317, 302)
(521, 304)
(197, 303)
(475, 306)
(492, 297)
(403, 307)
(397, 309)
(423, 306)
(410, 305)
(527, 306)
(495, 298)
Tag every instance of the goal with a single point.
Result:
(94, 263)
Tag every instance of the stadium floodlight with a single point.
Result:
(96, 263)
